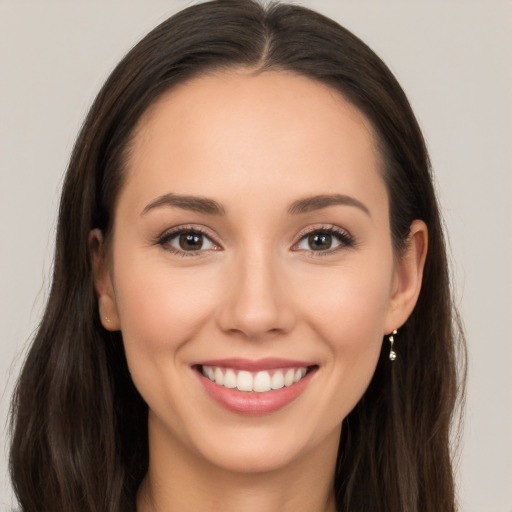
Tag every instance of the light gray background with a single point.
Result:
(453, 58)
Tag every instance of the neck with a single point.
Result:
(177, 481)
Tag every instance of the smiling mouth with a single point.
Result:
(257, 382)
(254, 387)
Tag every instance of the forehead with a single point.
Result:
(236, 131)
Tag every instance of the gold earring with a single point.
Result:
(392, 353)
(107, 319)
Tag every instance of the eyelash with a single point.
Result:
(164, 240)
(345, 239)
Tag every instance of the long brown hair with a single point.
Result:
(79, 426)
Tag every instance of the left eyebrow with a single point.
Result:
(312, 203)
(191, 203)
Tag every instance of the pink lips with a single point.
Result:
(249, 402)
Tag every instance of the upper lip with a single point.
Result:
(267, 363)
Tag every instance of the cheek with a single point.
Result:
(347, 311)
(349, 305)
(160, 308)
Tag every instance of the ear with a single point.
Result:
(408, 277)
(103, 282)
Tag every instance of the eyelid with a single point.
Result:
(344, 237)
(175, 231)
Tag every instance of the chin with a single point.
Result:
(264, 448)
(250, 459)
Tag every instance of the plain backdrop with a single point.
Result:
(453, 59)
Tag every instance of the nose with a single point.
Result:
(257, 302)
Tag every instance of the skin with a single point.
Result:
(254, 143)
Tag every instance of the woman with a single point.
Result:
(247, 221)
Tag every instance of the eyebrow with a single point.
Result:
(312, 203)
(209, 206)
(191, 203)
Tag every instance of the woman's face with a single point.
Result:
(251, 245)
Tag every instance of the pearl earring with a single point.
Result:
(392, 353)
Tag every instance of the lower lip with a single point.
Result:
(246, 402)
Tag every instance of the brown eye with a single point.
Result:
(187, 240)
(320, 241)
(325, 240)
(190, 241)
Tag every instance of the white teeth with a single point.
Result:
(277, 381)
(259, 382)
(219, 377)
(209, 372)
(230, 379)
(288, 378)
(244, 381)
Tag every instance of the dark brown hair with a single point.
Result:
(79, 426)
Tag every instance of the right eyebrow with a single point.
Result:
(309, 204)
(192, 203)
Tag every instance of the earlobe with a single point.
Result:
(408, 277)
(103, 282)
